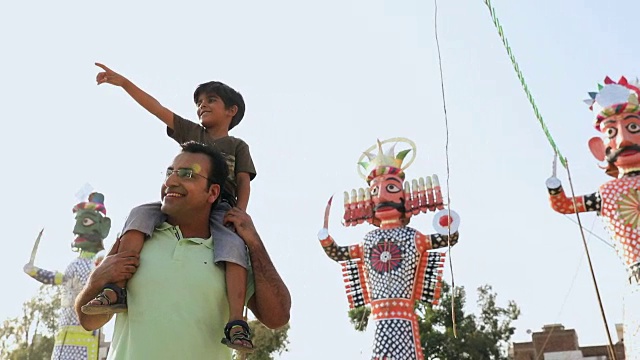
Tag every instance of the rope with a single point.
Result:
(593, 276)
(563, 161)
(591, 232)
(516, 67)
(564, 302)
(446, 150)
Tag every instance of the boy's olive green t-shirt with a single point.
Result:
(235, 150)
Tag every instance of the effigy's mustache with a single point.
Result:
(398, 206)
(612, 156)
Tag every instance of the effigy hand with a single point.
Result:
(109, 76)
(30, 269)
(553, 183)
(446, 221)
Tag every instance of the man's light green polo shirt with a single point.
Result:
(177, 302)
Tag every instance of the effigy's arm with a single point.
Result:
(441, 240)
(428, 284)
(351, 260)
(333, 251)
(44, 276)
(336, 252)
(563, 204)
(353, 273)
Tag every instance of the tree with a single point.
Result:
(31, 335)
(266, 341)
(483, 336)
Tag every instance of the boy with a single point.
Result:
(219, 108)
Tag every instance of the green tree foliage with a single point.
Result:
(482, 336)
(31, 335)
(266, 341)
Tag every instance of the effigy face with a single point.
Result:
(620, 144)
(387, 196)
(92, 224)
(91, 229)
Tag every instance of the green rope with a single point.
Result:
(524, 84)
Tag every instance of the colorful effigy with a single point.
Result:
(617, 202)
(92, 226)
(393, 267)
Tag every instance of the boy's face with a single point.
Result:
(212, 111)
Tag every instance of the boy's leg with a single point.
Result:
(230, 249)
(236, 278)
(132, 240)
(139, 224)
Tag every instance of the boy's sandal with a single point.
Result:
(107, 306)
(243, 335)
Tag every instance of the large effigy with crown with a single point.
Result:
(72, 341)
(617, 201)
(395, 265)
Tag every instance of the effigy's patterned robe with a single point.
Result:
(618, 204)
(391, 270)
(72, 342)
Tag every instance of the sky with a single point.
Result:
(322, 81)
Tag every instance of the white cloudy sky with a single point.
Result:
(322, 81)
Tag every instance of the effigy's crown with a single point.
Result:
(614, 98)
(95, 203)
(385, 162)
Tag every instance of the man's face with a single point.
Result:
(212, 111)
(622, 139)
(182, 194)
(90, 229)
(388, 197)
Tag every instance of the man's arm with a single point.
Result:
(115, 267)
(145, 100)
(271, 302)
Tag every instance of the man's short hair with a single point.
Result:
(228, 96)
(218, 171)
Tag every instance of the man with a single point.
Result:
(177, 301)
(617, 118)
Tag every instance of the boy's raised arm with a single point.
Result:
(145, 100)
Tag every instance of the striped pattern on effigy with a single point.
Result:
(355, 283)
(429, 275)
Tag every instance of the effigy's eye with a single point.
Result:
(633, 128)
(393, 188)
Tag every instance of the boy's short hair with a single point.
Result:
(228, 96)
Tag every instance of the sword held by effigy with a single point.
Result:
(35, 247)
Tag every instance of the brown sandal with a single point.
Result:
(242, 335)
(107, 306)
